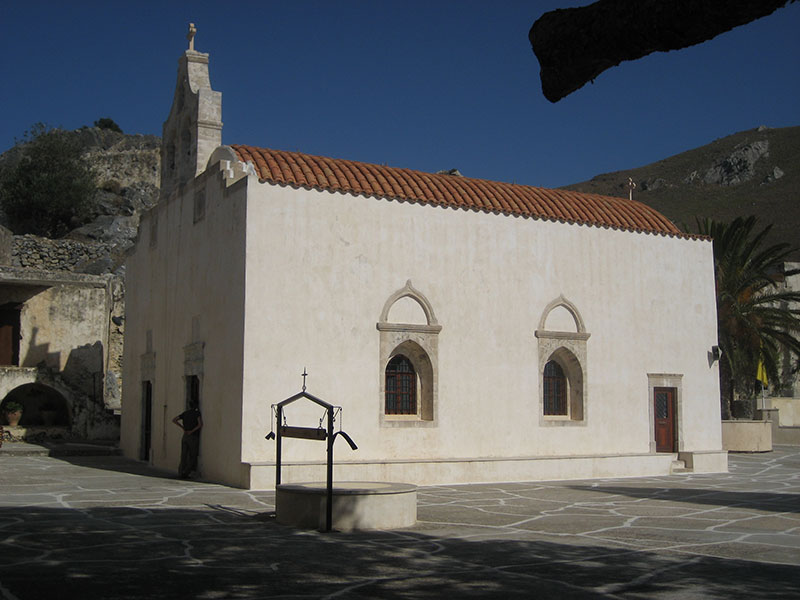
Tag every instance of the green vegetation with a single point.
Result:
(12, 406)
(106, 123)
(49, 189)
(757, 320)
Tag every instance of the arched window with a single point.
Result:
(408, 366)
(554, 389)
(401, 387)
(563, 388)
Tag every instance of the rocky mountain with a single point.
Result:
(128, 170)
(752, 172)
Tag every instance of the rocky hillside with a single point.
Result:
(752, 172)
(128, 169)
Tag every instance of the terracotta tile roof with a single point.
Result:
(319, 172)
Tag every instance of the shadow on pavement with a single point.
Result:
(765, 501)
(117, 464)
(127, 553)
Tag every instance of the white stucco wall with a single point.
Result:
(788, 410)
(321, 265)
(319, 268)
(188, 289)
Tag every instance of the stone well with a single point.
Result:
(356, 505)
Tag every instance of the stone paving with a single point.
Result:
(107, 527)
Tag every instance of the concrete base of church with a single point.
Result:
(357, 505)
(261, 475)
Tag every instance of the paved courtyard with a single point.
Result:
(106, 527)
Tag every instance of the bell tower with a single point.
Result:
(193, 129)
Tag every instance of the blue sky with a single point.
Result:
(425, 85)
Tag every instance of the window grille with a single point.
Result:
(401, 387)
(555, 390)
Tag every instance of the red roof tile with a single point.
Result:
(319, 172)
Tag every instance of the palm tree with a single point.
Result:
(757, 320)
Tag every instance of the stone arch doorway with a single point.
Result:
(42, 405)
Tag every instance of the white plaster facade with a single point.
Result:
(244, 283)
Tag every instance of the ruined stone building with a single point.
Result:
(470, 330)
(60, 350)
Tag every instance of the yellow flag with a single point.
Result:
(761, 373)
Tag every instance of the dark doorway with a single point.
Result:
(192, 391)
(664, 412)
(147, 420)
(9, 335)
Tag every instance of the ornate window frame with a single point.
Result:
(568, 349)
(420, 344)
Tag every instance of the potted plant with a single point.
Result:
(13, 412)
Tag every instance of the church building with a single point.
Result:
(470, 330)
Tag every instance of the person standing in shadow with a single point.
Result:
(191, 421)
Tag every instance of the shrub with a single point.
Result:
(50, 189)
(106, 123)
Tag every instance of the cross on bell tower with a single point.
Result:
(193, 129)
(190, 36)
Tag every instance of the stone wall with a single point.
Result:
(91, 258)
(6, 238)
(35, 252)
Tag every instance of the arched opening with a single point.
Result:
(409, 383)
(554, 390)
(401, 387)
(562, 386)
(408, 340)
(565, 317)
(170, 162)
(186, 140)
(41, 405)
(419, 300)
(562, 339)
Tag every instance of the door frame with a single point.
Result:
(666, 380)
(670, 418)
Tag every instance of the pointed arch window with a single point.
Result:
(408, 367)
(555, 390)
(401, 387)
(563, 388)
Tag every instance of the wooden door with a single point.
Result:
(664, 413)
(9, 336)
